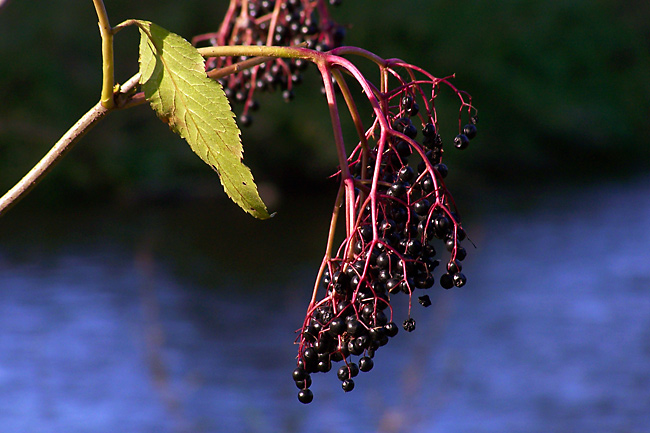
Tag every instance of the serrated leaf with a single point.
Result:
(195, 107)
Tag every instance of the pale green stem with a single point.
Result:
(107, 55)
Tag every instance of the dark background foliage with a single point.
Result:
(562, 90)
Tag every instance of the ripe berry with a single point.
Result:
(299, 374)
(305, 396)
(409, 325)
(343, 373)
(441, 169)
(302, 384)
(446, 281)
(365, 364)
(461, 141)
(245, 120)
(406, 174)
(324, 366)
(422, 207)
(469, 130)
(391, 329)
(348, 385)
(429, 130)
(454, 267)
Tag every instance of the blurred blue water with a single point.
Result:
(551, 333)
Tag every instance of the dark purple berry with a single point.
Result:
(391, 329)
(365, 364)
(305, 396)
(299, 374)
(348, 385)
(429, 130)
(461, 141)
(446, 281)
(442, 169)
(424, 300)
(469, 130)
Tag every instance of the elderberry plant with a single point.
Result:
(397, 210)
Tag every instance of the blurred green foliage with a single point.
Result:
(562, 89)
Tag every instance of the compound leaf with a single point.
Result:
(195, 107)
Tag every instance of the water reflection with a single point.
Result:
(171, 320)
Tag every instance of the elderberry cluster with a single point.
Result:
(271, 22)
(391, 250)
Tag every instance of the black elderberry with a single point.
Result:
(379, 318)
(469, 130)
(354, 369)
(376, 334)
(305, 396)
(454, 267)
(306, 383)
(393, 286)
(407, 101)
(354, 327)
(442, 169)
(424, 300)
(365, 363)
(429, 130)
(427, 184)
(384, 276)
(383, 260)
(406, 174)
(387, 227)
(361, 343)
(461, 253)
(405, 286)
(450, 244)
(474, 119)
(366, 233)
(461, 141)
(338, 326)
(413, 110)
(398, 189)
(441, 225)
(459, 279)
(391, 329)
(399, 214)
(324, 366)
(343, 373)
(409, 325)
(348, 385)
(410, 131)
(413, 246)
(403, 148)
(310, 354)
(422, 207)
(446, 281)
(245, 120)
(299, 374)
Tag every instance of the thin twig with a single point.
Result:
(59, 149)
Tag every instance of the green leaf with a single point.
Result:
(195, 107)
